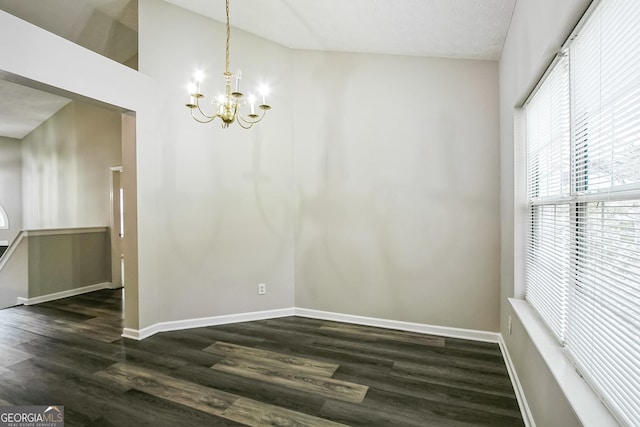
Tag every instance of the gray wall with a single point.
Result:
(538, 29)
(63, 262)
(65, 164)
(397, 179)
(11, 186)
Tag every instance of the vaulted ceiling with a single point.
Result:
(473, 29)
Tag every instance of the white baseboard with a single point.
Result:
(527, 416)
(470, 334)
(421, 328)
(64, 294)
(177, 325)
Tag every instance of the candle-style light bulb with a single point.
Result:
(252, 102)
(264, 91)
(191, 89)
(238, 78)
(198, 75)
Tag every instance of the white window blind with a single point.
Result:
(548, 136)
(547, 262)
(605, 80)
(549, 172)
(583, 258)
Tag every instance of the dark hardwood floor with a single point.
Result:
(290, 371)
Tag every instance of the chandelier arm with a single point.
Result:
(240, 123)
(252, 122)
(208, 119)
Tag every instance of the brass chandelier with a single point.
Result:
(229, 104)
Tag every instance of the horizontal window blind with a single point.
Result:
(548, 136)
(583, 254)
(605, 80)
(549, 172)
(547, 264)
(603, 331)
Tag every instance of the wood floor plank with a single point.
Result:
(257, 414)
(205, 399)
(470, 379)
(388, 334)
(166, 412)
(407, 352)
(217, 334)
(10, 356)
(209, 400)
(395, 409)
(328, 387)
(273, 360)
(339, 356)
(260, 391)
(428, 392)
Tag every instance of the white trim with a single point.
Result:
(4, 225)
(116, 169)
(583, 400)
(4, 243)
(469, 334)
(64, 294)
(177, 325)
(527, 416)
(57, 231)
(21, 301)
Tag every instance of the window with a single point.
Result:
(583, 157)
(4, 221)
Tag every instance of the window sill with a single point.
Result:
(585, 403)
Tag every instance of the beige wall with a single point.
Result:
(215, 216)
(397, 180)
(66, 164)
(11, 186)
(63, 262)
(538, 29)
(14, 275)
(129, 245)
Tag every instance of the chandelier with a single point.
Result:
(229, 104)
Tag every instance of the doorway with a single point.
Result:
(116, 226)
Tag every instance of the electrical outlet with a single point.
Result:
(262, 289)
(509, 326)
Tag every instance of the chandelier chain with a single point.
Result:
(226, 66)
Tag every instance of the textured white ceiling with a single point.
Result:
(22, 109)
(473, 29)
